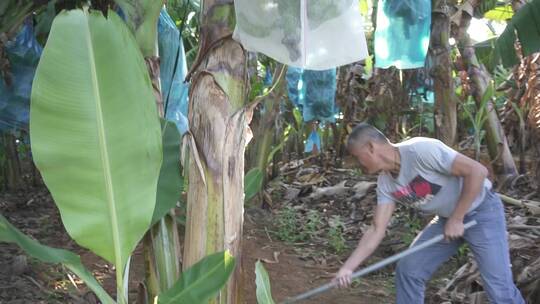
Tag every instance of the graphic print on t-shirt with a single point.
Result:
(418, 192)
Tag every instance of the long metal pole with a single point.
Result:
(374, 267)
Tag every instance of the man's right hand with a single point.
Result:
(343, 277)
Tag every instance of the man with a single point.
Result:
(429, 175)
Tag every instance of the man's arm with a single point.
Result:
(367, 244)
(473, 174)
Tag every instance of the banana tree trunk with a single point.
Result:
(264, 129)
(11, 163)
(445, 115)
(294, 144)
(267, 127)
(389, 88)
(503, 163)
(266, 133)
(348, 102)
(219, 124)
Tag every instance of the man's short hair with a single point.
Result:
(364, 133)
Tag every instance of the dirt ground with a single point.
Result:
(35, 214)
(290, 275)
(25, 280)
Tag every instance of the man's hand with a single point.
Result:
(343, 277)
(453, 229)
(368, 243)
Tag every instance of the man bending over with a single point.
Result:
(427, 174)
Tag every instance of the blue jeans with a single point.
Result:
(487, 240)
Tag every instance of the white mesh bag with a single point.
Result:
(309, 34)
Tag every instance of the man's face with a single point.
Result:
(366, 156)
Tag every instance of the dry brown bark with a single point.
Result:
(218, 121)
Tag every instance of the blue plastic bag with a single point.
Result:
(23, 54)
(320, 96)
(173, 70)
(403, 33)
(313, 93)
(295, 86)
(313, 141)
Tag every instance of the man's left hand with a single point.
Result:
(453, 229)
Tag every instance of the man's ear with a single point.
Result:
(370, 146)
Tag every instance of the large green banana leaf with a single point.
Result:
(171, 181)
(95, 132)
(253, 183)
(526, 22)
(201, 281)
(263, 292)
(10, 234)
(500, 13)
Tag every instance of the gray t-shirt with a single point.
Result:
(425, 180)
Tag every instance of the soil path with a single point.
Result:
(290, 275)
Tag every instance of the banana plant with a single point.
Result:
(504, 166)
(479, 118)
(265, 132)
(97, 141)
